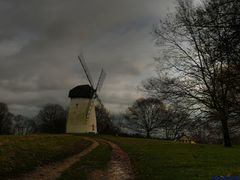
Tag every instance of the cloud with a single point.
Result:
(40, 41)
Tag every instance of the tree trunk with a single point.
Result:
(148, 134)
(226, 137)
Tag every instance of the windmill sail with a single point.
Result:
(95, 96)
(85, 68)
(100, 80)
(98, 87)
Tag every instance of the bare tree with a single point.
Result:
(52, 119)
(19, 124)
(145, 115)
(199, 45)
(5, 119)
(104, 123)
(23, 125)
(176, 122)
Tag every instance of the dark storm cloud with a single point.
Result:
(40, 41)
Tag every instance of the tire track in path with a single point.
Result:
(119, 167)
(53, 170)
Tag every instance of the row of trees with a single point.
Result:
(197, 84)
(151, 116)
(50, 119)
(199, 64)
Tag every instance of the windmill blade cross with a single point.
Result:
(85, 68)
(99, 100)
(101, 80)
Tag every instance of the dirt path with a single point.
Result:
(119, 167)
(54, 170)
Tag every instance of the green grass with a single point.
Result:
(20, 154)
(155, 159)
(152, 159)
(97, 159)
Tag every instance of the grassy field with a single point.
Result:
(19, 154)
(152, 159)
(155, 159)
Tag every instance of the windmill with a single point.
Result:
(82, 115)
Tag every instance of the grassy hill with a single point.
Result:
(19, 154)
(152, 159)
(155, 159)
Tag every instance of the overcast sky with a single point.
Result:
(41, 39)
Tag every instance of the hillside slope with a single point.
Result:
(156, 159)
(21, 154)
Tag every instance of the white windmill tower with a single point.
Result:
(82, 115)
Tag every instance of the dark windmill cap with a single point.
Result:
(82, 91)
